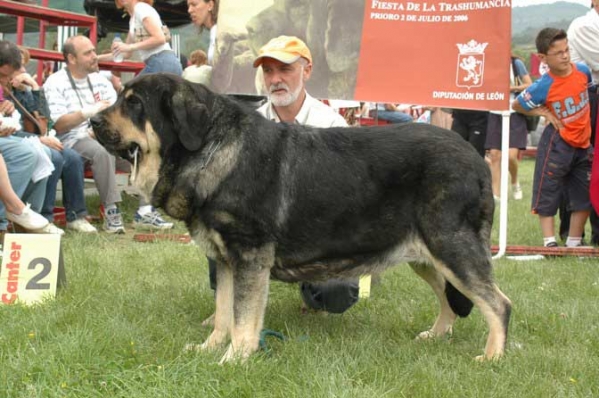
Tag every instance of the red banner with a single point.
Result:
(440, 53)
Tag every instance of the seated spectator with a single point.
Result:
(199, 71)
(68, 165)
(75, 94)
(392, 113)
(21, 157)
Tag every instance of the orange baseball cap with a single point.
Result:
(286, 49)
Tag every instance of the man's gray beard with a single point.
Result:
(285, 100)
(93, 69)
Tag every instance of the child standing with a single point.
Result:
(563, 153)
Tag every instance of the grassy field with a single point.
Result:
(119, 327)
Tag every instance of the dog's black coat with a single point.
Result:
(330, 202)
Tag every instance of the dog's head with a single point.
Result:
(155, 116)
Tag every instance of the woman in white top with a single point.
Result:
(204, 14)
(148, 36)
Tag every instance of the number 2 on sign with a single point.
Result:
(36, 281)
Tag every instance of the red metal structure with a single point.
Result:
(49, 16)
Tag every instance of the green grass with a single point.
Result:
(119, 327)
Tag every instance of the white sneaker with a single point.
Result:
(517, 192)
(49, 229)
(28, 219)
(81, 225)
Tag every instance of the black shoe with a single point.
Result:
(552, 244)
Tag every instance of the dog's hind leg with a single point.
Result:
(251, 281)
(444, 323)
(476, 283)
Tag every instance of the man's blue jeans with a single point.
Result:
(395, 116)
(68, 165)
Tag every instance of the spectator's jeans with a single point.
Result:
(394, 116)
(165, 61)
(21, 159)
(68, 165)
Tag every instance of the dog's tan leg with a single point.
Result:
(251, 295)
(223, 317)
(444, 323)
(497, 317)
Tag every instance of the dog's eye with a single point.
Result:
(133, 101)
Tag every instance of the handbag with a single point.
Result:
(35, 123)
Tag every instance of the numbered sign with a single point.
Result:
(30, 267)
(364, 286)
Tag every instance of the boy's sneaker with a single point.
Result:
(151, 220)
(81, 225)
(517, 192)
(113, 222)
(551, 244)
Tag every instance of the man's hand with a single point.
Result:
(52, 142)
(6, 108)
(92, 110)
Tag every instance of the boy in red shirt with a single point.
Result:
(564, 150)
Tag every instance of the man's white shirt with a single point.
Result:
(583, 40)
(313, 113)
(63, 99)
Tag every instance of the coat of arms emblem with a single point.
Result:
(471, 64)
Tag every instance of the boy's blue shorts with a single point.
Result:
(560, 167)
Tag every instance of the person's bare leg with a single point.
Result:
(495, 157)
(547, 226)
(577, 222)
(513, 165)
(11, 200)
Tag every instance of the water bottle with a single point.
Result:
(119, 57)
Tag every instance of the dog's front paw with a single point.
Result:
(192, 347)
(233, 355)
(215, 340)
(484, 358)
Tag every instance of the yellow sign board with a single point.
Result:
(30, 268)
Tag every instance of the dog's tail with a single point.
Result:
(460, 304)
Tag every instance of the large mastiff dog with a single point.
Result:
(297, 203)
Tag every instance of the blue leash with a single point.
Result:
(267, 332)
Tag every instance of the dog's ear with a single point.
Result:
(190, 119)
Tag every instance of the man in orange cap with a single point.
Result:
(287, 65)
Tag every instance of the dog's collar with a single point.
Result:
(212, 148)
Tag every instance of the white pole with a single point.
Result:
(505, 151)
